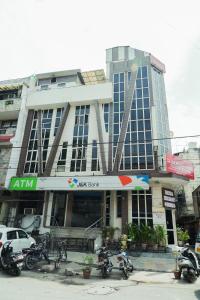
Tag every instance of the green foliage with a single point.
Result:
(133, 232)
(145, 233)
(160, 235)
(88, 261)
(182, 235)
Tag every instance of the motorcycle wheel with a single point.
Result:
(14, 272)
(29, 262)
(125, 273)
(3, 264)
(104, 272)
(190, 277)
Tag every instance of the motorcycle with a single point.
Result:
(104, 263)
(11, 262)
(125, 264)
(188, 264)
(35, 254)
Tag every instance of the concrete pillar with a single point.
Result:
(49, 209)
(69, 209)
(124, 210)
(129, 206)
(4, 211)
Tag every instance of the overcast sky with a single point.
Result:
(48, 35)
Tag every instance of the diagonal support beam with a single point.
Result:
(22, 158)
(127, 109)
(100, 133)
(56, 142)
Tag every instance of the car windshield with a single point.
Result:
(0, 235)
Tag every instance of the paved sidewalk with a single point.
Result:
(157, 278)
(146, 262)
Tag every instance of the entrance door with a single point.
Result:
(170, 228)
(86, 208)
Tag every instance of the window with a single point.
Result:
(12, 235)
(142, 207)
(59, 113)
(61, 164)
(95, 161)
(22, 234)
(31, 165)
(80, 139)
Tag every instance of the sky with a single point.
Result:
(49, 35)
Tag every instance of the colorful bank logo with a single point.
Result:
(73, 182)
(137, 181)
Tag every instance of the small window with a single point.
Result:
(12, 235)
(22, 234)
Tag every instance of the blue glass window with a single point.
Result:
(139, 93)
(141, 149)
(147, 125)
(116, 77)
(139, 103)
(144, 72)
(145, 82)
(145, 92)
(141, 137)
(134, 150)
(146, 113)
(148, 135)
(133, 114)
(116, 88)
(134, 137)
(149, 149)
(116, 97)
(146, 102)
(139, 73)
(121, 77)
(138, 83)
(140, 114)
(134, 163)
(140, 125)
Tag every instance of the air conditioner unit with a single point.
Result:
(44, 87)
(29, 211)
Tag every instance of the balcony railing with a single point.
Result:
(10, 104)
(7, 131)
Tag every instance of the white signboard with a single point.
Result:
(159, 218)
(80, 183)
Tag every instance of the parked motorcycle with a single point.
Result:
(188, 264)
(11, 262)
(125, 264)
(35, 254)
(104, 263)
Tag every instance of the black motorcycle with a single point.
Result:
(35, 254)
(11, 262)
(104, 263)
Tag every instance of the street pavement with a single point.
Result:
(32, 286)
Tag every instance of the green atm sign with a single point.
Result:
(23, 184)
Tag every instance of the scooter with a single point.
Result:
(125, 264)
(188, 264)
(104, 263)
(11, 262)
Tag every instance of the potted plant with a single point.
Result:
(123, 242)
(160, 236)
(133, 235)
(177, 272)
(182, 236)
(88, 261)
(145, 235)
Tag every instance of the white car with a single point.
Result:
(20, 239)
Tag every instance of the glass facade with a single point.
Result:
(59, 113)
(61, 164)
(106, 110)
(80, 139)
(95, 161)
(119, 96)
(142, 208)
(31, 165)
(162, 123)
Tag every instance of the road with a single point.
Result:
(48, 287)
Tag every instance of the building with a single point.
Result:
(187, 206)
(89, 150)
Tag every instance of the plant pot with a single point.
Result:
(180, 243)
(155, 247)
(144, 246)
(86, 273)
(177, 274)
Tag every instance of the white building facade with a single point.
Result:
(89, 148)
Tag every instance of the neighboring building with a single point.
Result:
(93, 141)
(11, 93)
(187, 212)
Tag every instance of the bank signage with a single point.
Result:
(80, 183)
(168, 198)
(178, 166)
